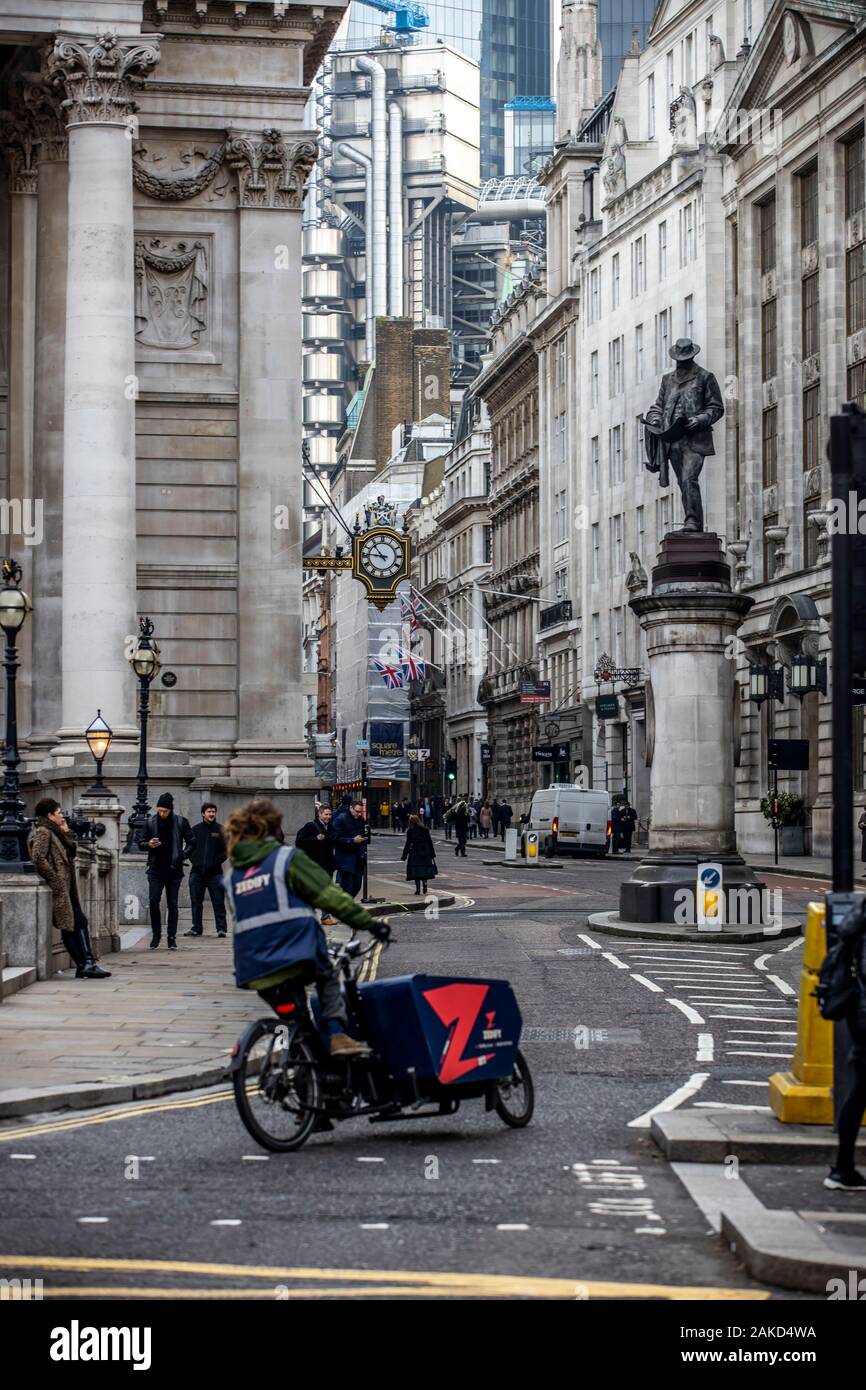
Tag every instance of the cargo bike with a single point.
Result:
(434, 1042)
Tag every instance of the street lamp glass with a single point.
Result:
(99, 737)
(802, 675)
(758, 683)
(14, 607)
(145, 661)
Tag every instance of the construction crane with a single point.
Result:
(408, 18)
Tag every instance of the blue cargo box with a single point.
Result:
(444, 1029)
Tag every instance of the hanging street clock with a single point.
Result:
(380, 559)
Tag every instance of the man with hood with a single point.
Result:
(168, 840)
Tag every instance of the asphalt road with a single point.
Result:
(174, 1196)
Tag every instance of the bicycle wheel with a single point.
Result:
(515, 1095)
(276, 1085)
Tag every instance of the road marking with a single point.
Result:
(487, 1160)
(106, 1117)
(706, 1050)
(650, 1231)
(620, 964)
(256, 1158)
(369, 1160)
(690, 1088)
(226, 1221)
(752, 1018)
(768, 1032)
(92, 1220)
(759, 963)
(375, 1226)
(23, 1157)
(691, 1014)
(762, 1084)
(642, 979)
(730, 1105)
(781, 985)
(512, 1226)
(733, 1052)
(589, 941)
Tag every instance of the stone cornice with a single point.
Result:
(101, 74)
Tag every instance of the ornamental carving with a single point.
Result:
(809, 258)
(100, 75)
(20, 147)
(176, 187)
(42, 104)
(171, 293)
(271, 173)
(811, 369)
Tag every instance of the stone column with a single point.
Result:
(271, 172)
(51, 254)
(17, 136)
(689, 621)
(99, 76)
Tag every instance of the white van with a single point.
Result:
(570, 820)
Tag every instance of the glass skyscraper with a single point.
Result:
(510, 39)
(617, 21)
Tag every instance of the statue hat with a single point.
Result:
(684, 350)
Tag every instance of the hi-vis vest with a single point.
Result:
(273, 928)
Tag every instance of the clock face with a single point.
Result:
(381, 556)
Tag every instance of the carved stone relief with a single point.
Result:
(179, 173)
(171, 293)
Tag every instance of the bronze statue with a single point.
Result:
(678, 429)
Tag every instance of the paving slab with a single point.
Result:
(711, 1136)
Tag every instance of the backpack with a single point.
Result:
(841, 989)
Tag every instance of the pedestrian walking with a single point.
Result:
(485, 821)
(168, 840)
(494, 817)
(52, 848)
(316, 839)
(447, 818)
(843, 1175)
(419, 854)
(473, 823)
(460, 818)
(627, 825)
(206, 859)
(351, 837)
(505, 815)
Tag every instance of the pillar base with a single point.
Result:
(663, 888)
(795, 1103)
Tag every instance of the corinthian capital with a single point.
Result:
(271, 171)
(101, 74)
(18, 143)
(42, 104)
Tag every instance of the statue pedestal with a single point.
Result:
(688, 620)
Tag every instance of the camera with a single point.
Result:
(85, 828)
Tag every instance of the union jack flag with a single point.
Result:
(414, 668)
(411, 609)
(391, 675)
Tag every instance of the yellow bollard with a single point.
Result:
(803, 1095)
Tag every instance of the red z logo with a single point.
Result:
(458, 1006)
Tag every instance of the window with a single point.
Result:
(614, 282)
(809, 207)
(594, 297)
(617, 548)
(638, 352)
(638, 266)
(857, 383)
(708, 57)
(561, 361)
(596, 637)
(768, 340)
(854, 184)
(614, 352)
(767, 235)
(689, 315)
(663, 250)
(747, 20)
(616, 460)
(618, 649)
(687, 234)
(810, 533)
(669, 73)
(596, 551)
(560, 580)
(651, 107)
(811, 326)
(663, 333)
(593, 463)
(689, 61)
(488, 546)
(769, 447)
(663, 505)
(560, 516)
(593, 379)
(811, 426)
(855, 276)
(640, 526)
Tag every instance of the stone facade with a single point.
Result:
(154, 182)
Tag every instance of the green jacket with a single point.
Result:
(306, 880)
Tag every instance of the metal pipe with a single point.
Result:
(380, 182)
(365, 162)
(395, 209)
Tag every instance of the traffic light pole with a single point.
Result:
(365, 793)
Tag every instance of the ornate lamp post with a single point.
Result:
(807, 674)
(14, 607)
(145, 662)
(766, 683)
(99, 737)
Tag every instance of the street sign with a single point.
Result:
(858, 690)
(554, 753)
(607, 707)
(486, 754)
(552, 728)
(534, 692)
(362, 744)
(710, 901)
(788, 754)
(169, 679)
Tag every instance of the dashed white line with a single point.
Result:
(691, 1014)
(762, 1084)
(589, 941)
(614, 960)
(642, 979)
(256, 1158)
(23, 1157)
(227, 1221)
(781, 985)
(706, 1049)
(735, 1052)
(512, 1226)
(369, 1160)
(92, 1220)
(691, 1088)
(487, 1160)
(375, 1226)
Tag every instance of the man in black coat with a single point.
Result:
(168, 840)
(680, 427)
(627, 825)
(505, 816)
(316, 839)
(206, 859)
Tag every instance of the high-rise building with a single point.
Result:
(618, 20)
